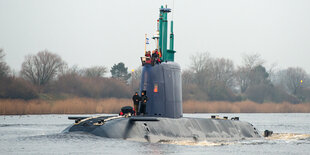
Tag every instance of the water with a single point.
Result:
(41, 134)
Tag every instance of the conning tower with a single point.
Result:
(162, 82)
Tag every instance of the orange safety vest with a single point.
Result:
(159, 54)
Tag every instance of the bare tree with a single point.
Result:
(42, 67)
(187, 78)
(212, 76)
(292, 78)
(135, 78)
(96, 71)
(4, 69)
(244, 73)
(73, 70)
(200, 65)
(252, 60)
(137, 73)
(223, 70)
(198, 61)
(272, 71)
(242, 78)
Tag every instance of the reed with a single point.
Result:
(243, 107)
(67, 106)
(113, 105)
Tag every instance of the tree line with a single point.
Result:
(46, 75)
(218, 79)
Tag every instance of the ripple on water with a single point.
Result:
(274, 139)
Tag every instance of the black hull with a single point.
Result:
(156, 129)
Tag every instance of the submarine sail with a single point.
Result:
(162, 82)
(163, 86)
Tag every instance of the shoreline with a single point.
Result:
(112, 106)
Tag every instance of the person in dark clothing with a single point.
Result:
(148, 57)
(155, 57)
(144, 100)
(136, 99)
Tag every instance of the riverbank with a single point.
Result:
(113, 105)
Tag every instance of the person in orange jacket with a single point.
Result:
(159, 56)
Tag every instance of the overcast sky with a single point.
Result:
(101, 32)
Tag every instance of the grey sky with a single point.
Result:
(101, 32)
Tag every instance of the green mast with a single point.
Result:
(161, 15)
(171, 36)
(170, 52)
(167, 54)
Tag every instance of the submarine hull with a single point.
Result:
(157, 129)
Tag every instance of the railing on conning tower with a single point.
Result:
(161, 38)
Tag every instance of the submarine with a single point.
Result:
(162, 118)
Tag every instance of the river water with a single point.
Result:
(42, 134)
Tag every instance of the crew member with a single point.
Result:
(148, 57)
(144, 100)
(158, 56)
(154, 57)
(136, 99)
